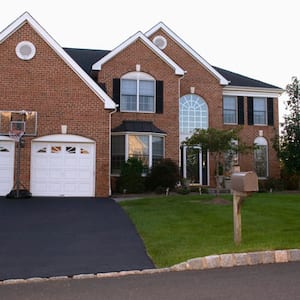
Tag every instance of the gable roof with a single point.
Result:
(188, 49)
(139, 36)
(26, 17)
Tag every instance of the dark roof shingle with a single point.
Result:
(85, 58)
(241, 80)
(137, 126)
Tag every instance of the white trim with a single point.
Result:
(23, 56)
(63, 138)
(26, 17)
(187, 48)
(139, 35)
(6, 138)
(251, 91)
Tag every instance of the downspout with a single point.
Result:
(109, 160)
(179, 142)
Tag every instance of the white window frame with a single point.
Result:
(150, 138)
(138, 76)
(192, 98)
(265, 110)
(261, 141)
(236, 109)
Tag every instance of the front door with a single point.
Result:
(194, 164)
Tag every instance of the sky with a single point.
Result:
(255, 38)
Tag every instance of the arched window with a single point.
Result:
(193, 113)
(137, 92)
(261, 157)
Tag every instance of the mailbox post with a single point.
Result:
(242, 184)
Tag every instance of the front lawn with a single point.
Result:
(177, 228)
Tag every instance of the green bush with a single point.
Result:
(270, 184)
(164, 174)
(131, 180)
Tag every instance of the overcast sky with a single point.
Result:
(256, 38)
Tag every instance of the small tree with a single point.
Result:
(218, 142)
(287, 144)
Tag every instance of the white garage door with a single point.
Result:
(7, 158)
(62, 169)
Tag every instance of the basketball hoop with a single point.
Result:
(16, 135)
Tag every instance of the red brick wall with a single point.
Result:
(206, 85)
(47, 85)
(125, 62)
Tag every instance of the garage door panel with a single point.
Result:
(7, 160)
(63, 169)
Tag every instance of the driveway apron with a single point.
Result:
(44, 237)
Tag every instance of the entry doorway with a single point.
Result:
(195, 165)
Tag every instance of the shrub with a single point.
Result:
(131, 179)
(164, 174)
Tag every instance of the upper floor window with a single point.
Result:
(260, 111)
(230, 109)
(193, 113)
(233, 110)
(137, 93)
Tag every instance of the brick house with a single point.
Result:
(141, 99)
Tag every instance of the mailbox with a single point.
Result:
(244, 182)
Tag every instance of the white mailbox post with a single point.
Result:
(242, 184)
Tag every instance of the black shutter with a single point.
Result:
(159, 97)
(250, 110)
(241, 110)
(270, 108)
(117, 91)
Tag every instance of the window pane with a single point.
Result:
(229, 110)
(128, 103)
(259, 104)
(261, 163)
(146, 95)
(193, 114)
(128, 95)
(147, 87)
(129, 87)
(259, 111)
(146, 103)
(117, 153)
(139, 147)
(229, 102)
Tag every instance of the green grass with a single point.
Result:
(177, 228)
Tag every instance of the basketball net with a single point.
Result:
(16, 135)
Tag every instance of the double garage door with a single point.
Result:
(62, 169)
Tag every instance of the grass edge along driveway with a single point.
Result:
(177, 228)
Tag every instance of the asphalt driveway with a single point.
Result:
(44, 237)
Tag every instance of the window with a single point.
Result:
(231, 158)
(117, 153)
(260, 111)
(137, 92)
(193, 113)
(261, 157)
(149, 148)
(230, 109)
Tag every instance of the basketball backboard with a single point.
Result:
(18, 120)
